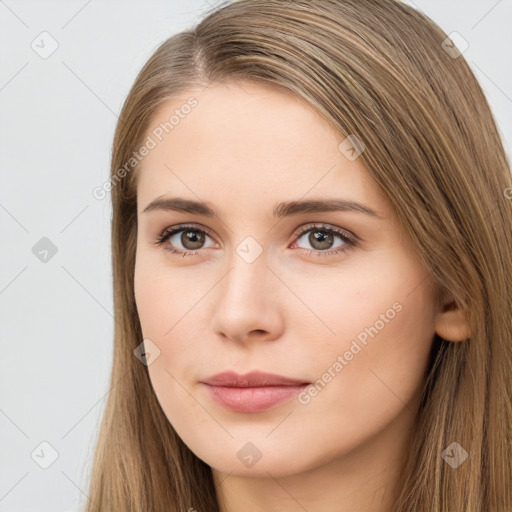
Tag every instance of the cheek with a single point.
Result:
(158, 296)
(369, 323)
(375, 363)
(163, 317)
(168, 306)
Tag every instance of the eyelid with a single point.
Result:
(326, 227)
(180, 227)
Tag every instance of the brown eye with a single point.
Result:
(320, 240)
(324, 241)
(192, 240)
(184, 240)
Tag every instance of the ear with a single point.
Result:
(451, 322)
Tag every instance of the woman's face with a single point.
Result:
(272, 283)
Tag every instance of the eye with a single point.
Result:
(191, 239)
(323, 240)
(187, 240)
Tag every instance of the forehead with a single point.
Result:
(249, 138)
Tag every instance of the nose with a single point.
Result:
(247, 303)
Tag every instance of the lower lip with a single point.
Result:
(253, 399)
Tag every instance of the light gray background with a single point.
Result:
(57, 120)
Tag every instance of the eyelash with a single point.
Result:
(349, 242)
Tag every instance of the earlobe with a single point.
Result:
(452, 324)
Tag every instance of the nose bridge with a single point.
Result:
(247, 272)
(244, 300)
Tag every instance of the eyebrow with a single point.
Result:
(284, 209)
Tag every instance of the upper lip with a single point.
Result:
(251, 379)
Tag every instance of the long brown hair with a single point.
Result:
(377, 69)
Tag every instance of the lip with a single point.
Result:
(252, 392)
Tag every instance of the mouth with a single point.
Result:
(253, 392)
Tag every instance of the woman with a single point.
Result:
(312, 260)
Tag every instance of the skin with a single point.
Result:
(244, 148)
